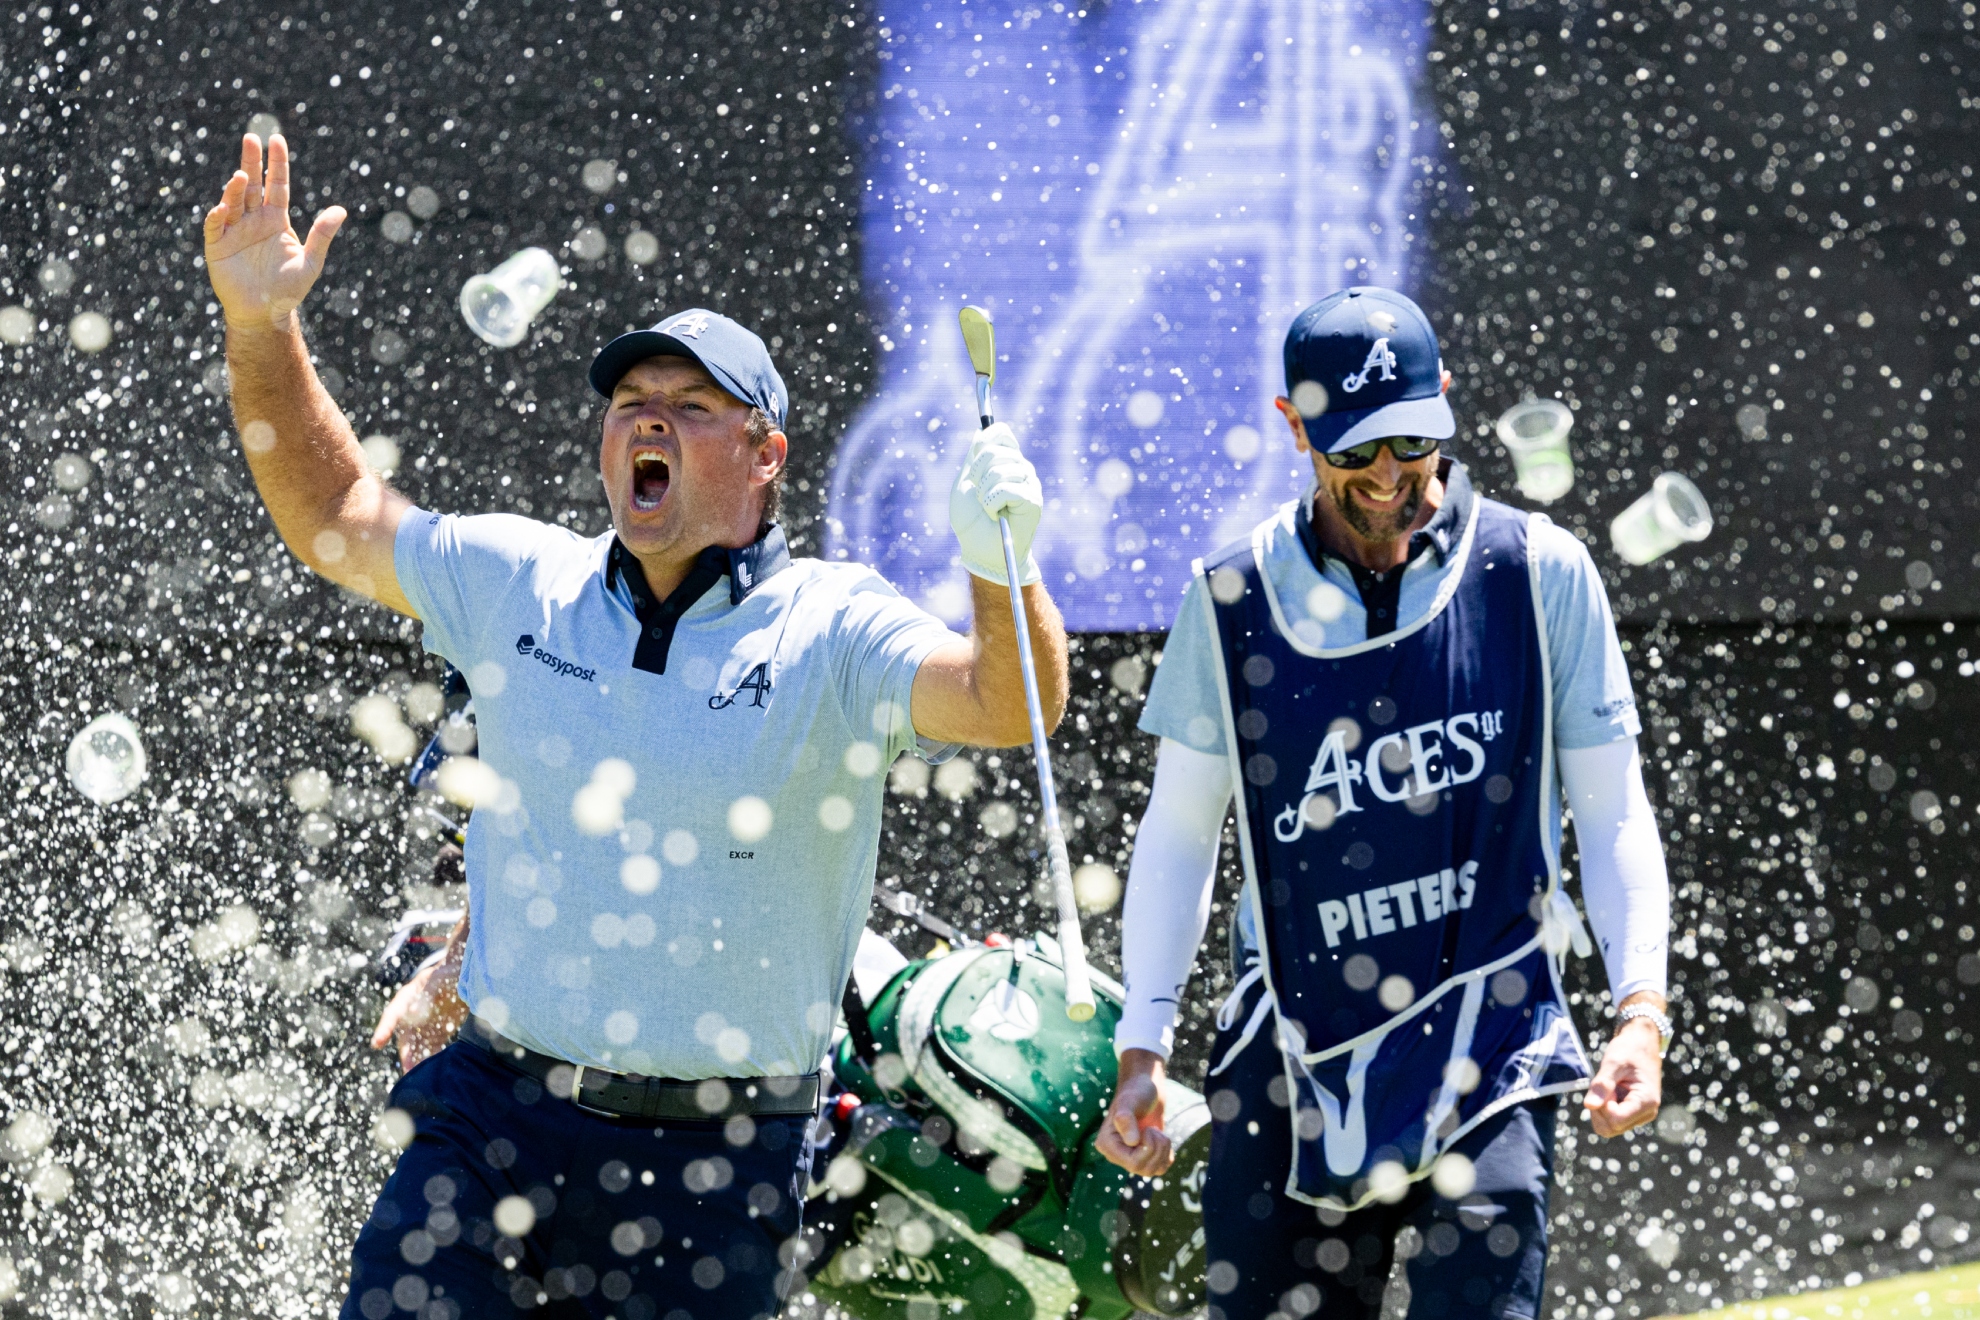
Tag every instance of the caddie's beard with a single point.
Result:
(1379, 527)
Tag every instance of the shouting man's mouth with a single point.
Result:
(650, 479)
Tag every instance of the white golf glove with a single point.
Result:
(996, 480)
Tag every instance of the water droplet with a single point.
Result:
(16, 325)
(1309, 398)
(55, 276)
(998, 819)
(106, 760)
(1096, 887)
(90, 332)
(642, 248)
(388, 347)
(1128, 674)
(381, 454)
(600, 175)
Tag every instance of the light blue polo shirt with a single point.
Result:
(1593, 701)
(673, 872)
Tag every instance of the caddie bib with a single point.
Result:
(1399, 859)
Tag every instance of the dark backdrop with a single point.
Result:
(1667, 213)
(1815, 788)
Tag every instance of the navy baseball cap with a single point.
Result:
(734, 356)
(1373, 351)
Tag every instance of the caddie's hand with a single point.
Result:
(259, 269)
(1131, 1134)
(996, 480)
(1629, 1087)
(427, 1011)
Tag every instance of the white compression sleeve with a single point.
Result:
(1169, 885)
(1623, 882)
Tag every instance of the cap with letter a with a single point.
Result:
(1375, 358)
(733, 355)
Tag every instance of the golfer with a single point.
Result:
(1399, 677)
(684, 734)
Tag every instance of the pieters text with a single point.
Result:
(1385, 908)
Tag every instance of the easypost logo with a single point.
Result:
(526, 646)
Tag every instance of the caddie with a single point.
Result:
(684, 733)
(1401, 678)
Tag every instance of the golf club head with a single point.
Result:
(981, 339)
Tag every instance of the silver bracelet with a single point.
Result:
(1661, 1021)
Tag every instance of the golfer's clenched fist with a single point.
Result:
(996, 481)
(1131, 1135)
(260, 270)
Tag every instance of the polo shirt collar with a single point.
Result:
(747, 568)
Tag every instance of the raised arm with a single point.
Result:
(973, 691)
(332, 511)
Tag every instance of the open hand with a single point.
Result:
(1131, 1134)
(1629, 1088)
(427, 1011)
(259, 269)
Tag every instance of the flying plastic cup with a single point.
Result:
(499, 305)
(106, 759)
(1669, 514)
(1535, 433)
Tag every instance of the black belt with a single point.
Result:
(629, 1095)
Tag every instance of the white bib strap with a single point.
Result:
(1228, 1011)
(1563, 926)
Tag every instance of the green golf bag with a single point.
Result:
(965, 1178)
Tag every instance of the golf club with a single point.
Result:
(981, 338)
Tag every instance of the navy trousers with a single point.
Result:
(615, 1218)
(1274, 1258)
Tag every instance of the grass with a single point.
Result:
(1948, 1294)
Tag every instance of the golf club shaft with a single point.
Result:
(1072, 945)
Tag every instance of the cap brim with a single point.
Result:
(629, 350)
(1430, 418)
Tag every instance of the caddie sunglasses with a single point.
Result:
(1406, 448)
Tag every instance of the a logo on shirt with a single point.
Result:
(1424, 758)
(526, 646)
(756, 682)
